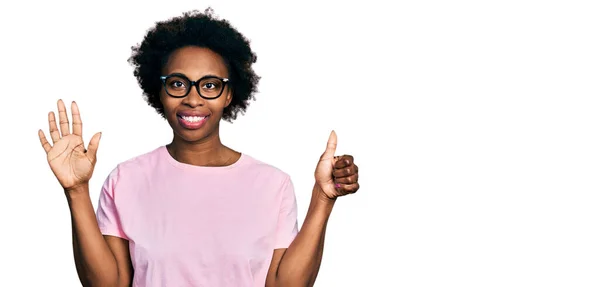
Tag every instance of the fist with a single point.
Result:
(336, 175)
(345, 175)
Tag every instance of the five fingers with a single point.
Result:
(55, 133)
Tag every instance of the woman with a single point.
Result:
(193, 212)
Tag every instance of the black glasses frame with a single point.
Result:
(196, 84)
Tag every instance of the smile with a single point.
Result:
(193, 119)
(191, 122)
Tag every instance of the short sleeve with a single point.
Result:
(107, 213)
(287, 224)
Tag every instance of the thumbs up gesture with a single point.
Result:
(336, 175)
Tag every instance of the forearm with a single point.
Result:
(95, 263)
(300, 264)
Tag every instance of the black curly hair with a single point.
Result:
(203, 30)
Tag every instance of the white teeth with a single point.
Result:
(192, 119)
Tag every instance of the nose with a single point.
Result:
(193, 99)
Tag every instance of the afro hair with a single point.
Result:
(202, 30)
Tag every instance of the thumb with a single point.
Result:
(93, 146)
(331, 145)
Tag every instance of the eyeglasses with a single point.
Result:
(208, 87)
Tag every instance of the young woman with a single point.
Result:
(193, 212)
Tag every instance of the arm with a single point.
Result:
(298, 265)
(100, 260)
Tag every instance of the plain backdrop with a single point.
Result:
(475, 125)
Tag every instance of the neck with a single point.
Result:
(206, 152)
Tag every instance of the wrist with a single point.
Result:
(321, 196)
(77, 191)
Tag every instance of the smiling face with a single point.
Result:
(192, 117)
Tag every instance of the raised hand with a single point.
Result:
(70, 162)
(336, 175)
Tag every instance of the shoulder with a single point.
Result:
(253, 163)
(262, 169)
(135, 165)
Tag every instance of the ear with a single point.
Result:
(229, 98)
(161, 97)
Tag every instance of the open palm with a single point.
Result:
(70, 162)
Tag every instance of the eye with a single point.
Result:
(176, 83)
(209, 86)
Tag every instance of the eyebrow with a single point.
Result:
(182, 74)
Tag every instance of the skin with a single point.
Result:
(104, 260)
(203, 146)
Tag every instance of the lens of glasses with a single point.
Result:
(209, 87)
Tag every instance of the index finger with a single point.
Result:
(344, 161)
(77, 124)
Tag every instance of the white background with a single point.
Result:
(475, 125)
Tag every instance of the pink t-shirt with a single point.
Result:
(198, 226)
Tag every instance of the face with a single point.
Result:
(194, 118)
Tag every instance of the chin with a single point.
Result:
(192, 135)
(188, 137)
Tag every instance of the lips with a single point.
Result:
(192, 114)
(192, 120)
